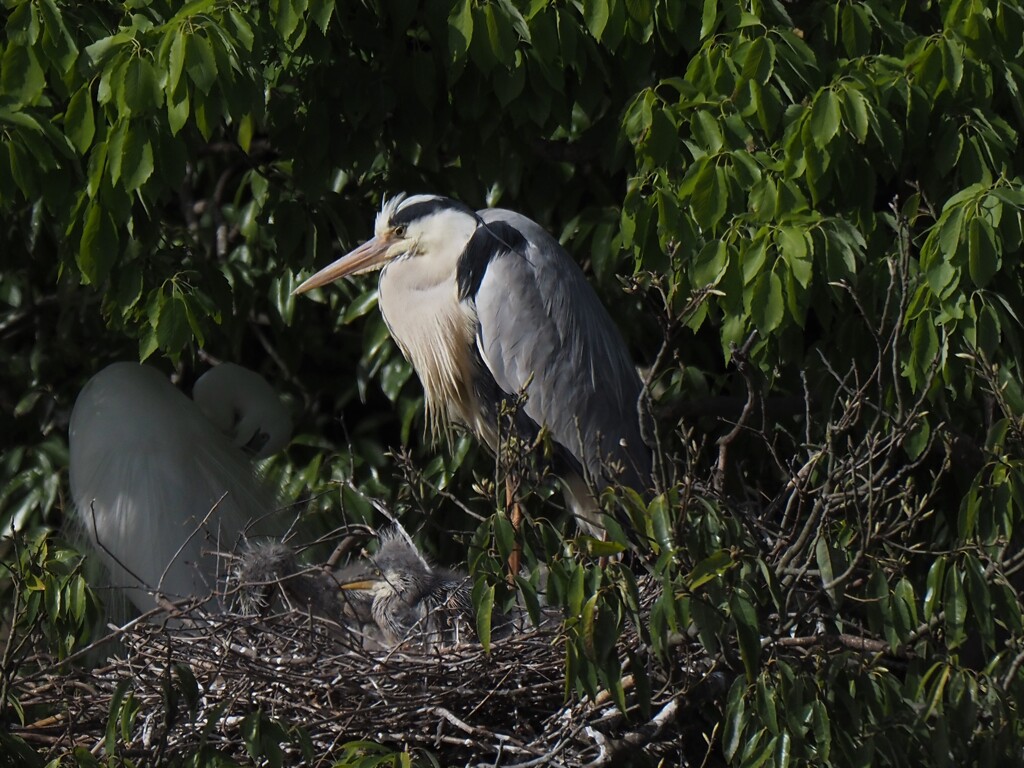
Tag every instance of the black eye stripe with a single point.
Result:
(421, 210)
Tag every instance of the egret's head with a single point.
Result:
(242, 405)
(421, 226)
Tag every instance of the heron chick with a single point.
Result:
(488, 307)
(411, 600)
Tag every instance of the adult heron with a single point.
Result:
(158, 487)
(413, 601)
(487, 306)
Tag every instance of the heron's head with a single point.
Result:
(397, 570)
(418, 227)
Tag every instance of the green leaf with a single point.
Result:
(596, 14)
(952, 64)
(483, 605)
(138, 160)
(639, 116)
(924, 350)
(955, 606)
(175, 61)
(855, 107)
(710, 196)
(706, 129)
(792, 241)
(917, 439)
(59, 41)
(711, 567)
(117, 704)
(766, 305)
(753, 258)
(736, 718)
(663, 138)
(856, 30)
(764, 698)
(982, 606)
(504, 535)
(460, 28)
(115, 150)
(708, 18)
(825, 117)
(207, 113)
(760, 60)
(748, 633)
(764, 199)
(106, 47)
(575, 593)
(22, 27)
(172, 329)
(21, 76)
(710, 264)
(97, 250)
(177, 112)
(79, 121)
(499, 34)
(982, 252)
(142, 91)
(933, 592)
(286, 17)
(200, 62)
(320, 11)
(587, 617)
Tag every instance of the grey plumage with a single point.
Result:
(395, 598)
(556, 341)
(412, 602)
(488, 306)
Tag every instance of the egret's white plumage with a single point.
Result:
(147, 467)
(486, 306)
(243, 406)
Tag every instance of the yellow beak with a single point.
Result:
(367, 257)
(364, 585)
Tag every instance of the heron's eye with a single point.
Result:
(400, 230)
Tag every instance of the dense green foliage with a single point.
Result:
(785, 199)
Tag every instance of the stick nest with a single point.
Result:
(203, 681)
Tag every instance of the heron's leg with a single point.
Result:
(516, 515)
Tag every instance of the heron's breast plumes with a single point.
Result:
(435, 332)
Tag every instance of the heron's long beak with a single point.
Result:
(368, 256)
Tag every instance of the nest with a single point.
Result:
(201, 681)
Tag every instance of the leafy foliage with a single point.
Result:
(820, 201)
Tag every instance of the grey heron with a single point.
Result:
(412, 601)
(487, 306)
(148, 471)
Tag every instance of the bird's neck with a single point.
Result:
(434, 329)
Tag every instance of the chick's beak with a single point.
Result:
(362, 585)
(369, 256)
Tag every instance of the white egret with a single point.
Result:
(157, 488)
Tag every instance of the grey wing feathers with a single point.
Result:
(543, 329)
